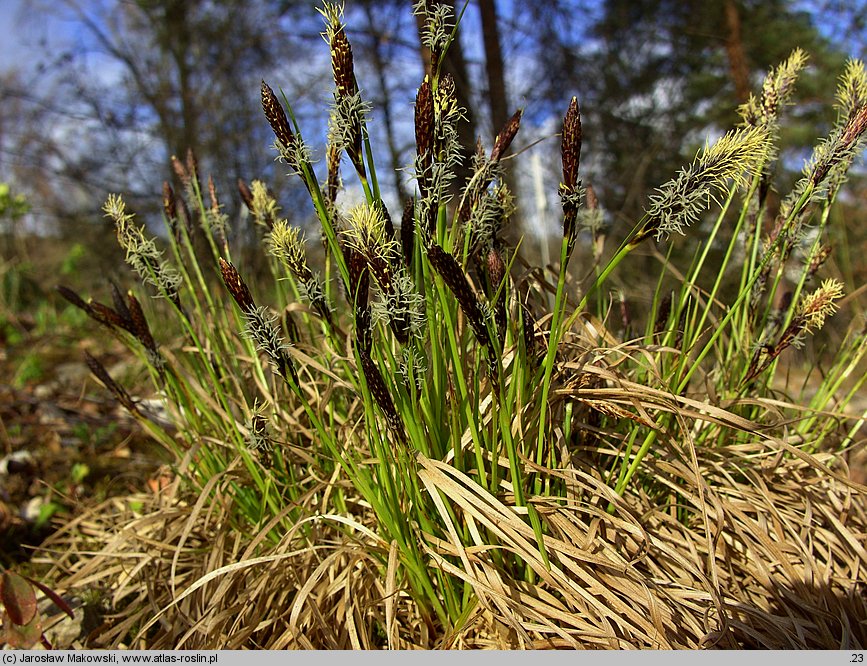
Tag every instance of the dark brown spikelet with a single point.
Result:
(359, 285)
(120, 304)
(290, 325)
(379, 391)
(386, 216)
(108, 317)
(529, 332)
(342, 64)
(237, 287)
(452, 274)
(140, 327)
(662, 314)
(276, 117)
(570, 146)
(506, 136)
(100, 313)
(495, 268)
(102, 375)
(359, 277)
(363, 329)
(73, 298)
(570, 150)
(246, 194)
(407, 230)
(332, 182)
(424, 132)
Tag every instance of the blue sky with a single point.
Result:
(20, 36)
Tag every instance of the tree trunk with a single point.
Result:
(494, 66)
(738, 68)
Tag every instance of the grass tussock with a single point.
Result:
(774, 561)
(426, 441)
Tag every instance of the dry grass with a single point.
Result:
(771, 555)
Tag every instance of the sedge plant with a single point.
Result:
(413, 387)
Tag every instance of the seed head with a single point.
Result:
(368, 232)
(528, 327)
(98, 369)
(570, 145)
(452, 274)
(682, 200)
(277, 117)
(852, 90)
(346, 131)
(820, 304)
(120, 303)
(369, 236)
(401, 307)
(287, 245)
(193, 168)
(215, 219)
(263, 206)
(261, 328)
(819, 257)
(438, 24)
(246, 194)
(359, 278)
(332, 161)
(379, 391)
(776, 92)
(342, 65)
(571, 192)
(424, 131)
(591, 216)
(73, 298)
(141, 253)
(108, 317)
(182, 173)
(237, 287)
(833, 157)
(810, 317)
(260, 436)
(139, 324)
(170, 206)
(407, 230)
(506, 136)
